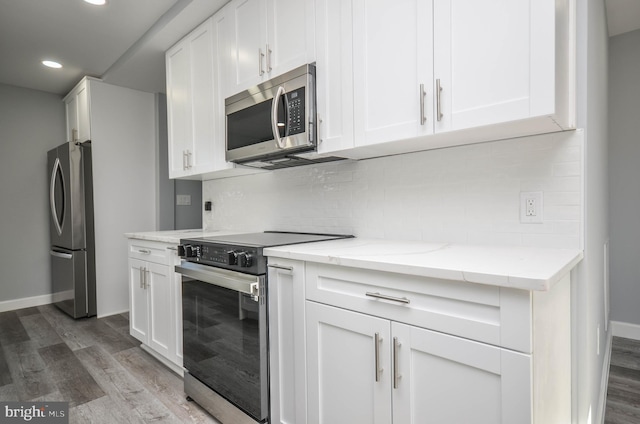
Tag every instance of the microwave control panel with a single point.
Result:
(296, 111)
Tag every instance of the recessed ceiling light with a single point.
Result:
(51, 64)
(96, 2)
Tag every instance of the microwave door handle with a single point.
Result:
(274, 117)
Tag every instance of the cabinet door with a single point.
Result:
(138, 302)
(71, 107)
(201, 66)
(342, 374)
(290, 35)
(392, 50)
(334, 75)
(161, 317)
(248, 40)
(178, 107)
(287, 342)
(495, 60)
(221, 61)
(84, 113)
(438, 373)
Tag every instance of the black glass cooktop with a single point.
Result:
(269, 238)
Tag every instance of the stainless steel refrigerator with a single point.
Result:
(71, 230)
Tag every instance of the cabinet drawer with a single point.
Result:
(151, 251)
(490, 314)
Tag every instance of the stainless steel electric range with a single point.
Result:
(225, 321)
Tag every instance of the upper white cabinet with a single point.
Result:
(391, 68)
(495, 61)
(78, 113)
(268, 38)
(195, 120)
(458, 71)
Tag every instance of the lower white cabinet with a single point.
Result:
(154, 301)
(364, 369)
(350, 345)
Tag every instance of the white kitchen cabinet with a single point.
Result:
(287, 365)
(503, 352)
(154, 297)
(442, 73)
(191, 103)
(364, 369)
(78, 113)
(197, 71)
(268, 38)
(391, 69)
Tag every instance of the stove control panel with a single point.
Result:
(239, 258)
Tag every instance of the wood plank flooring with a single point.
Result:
(94, 364)
(623, 388)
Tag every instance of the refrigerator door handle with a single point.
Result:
(52, 193)
(61, 254)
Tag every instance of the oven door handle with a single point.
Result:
(231, 280)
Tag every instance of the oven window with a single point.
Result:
(252, 125)
(222, 343)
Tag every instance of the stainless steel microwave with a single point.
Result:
(271, 121)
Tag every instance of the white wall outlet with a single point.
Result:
(183, 199)
(531, 207)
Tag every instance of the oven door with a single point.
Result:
(225, 336)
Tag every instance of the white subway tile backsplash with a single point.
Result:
(466, 194)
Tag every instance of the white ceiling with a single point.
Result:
(124, 42)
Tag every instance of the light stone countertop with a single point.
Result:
(524, 268)
(174, 236)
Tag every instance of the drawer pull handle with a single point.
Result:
(145, 251)
(286, 268)
(172, 248)
(386, 297)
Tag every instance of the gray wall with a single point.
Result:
(624, 168)
(31, 123)
(187, 217)
(165, 216)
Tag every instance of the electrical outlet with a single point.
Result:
(183, 199)
(531, 207)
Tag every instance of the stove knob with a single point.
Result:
(191, 251)
(245, 260)
(232, 257)
(181, 251)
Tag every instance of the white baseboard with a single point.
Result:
(625, 329)
(605, 378)
(25, 302)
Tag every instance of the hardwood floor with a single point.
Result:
(623, 389)
(94, 364)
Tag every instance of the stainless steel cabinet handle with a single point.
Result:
(184, 160)
(189, 161)
(260, 56)
(172, 248)
(145, 251)
(438, 99)
(146, 278)
(396, 374)
(423, 93)
(387, 297)
(74, 135)
(141, 277)
(269, 59)
(377, 340)
(286, 268)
